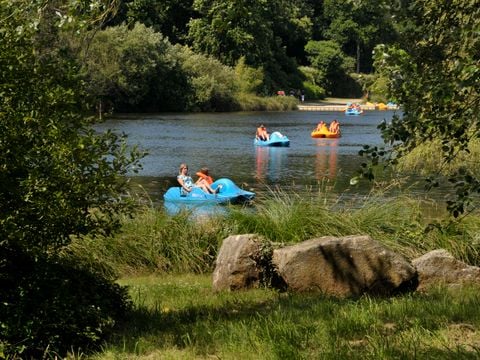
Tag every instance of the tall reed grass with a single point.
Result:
(250, 102)
(427, 158)
(155, 242)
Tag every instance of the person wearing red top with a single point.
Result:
(203, 176)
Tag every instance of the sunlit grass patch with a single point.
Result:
(179, 316)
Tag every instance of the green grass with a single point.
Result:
(428, 158)
(180, 317)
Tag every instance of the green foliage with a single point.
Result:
(229, 31)
(214, 85)
(249, 79)
(313, 89)
(179, 317)
(152, 242)
(55, 176)
(53, 305)
(358, 26)
(168, 17)
(427, 158)
(332, 64)
(156, 242)
(130, 68)
(58, 178)
(435, 78)
(256, 31)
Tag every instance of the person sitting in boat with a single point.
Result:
(321, 125)
(186, 182)
(334, 127)
(262, 133)
(203, 176)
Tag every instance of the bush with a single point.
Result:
(213, 84)
(54, 305)
(313, 91)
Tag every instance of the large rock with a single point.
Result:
(237, 263)
(345, 266)
(439, 267)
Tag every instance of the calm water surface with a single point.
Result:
(224, 143)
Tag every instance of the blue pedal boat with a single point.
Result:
(276, 139)
(229, 193)
(353, 111)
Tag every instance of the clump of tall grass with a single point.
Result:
(251, 102)
(152, 241)
(427, 158)
(156, 242)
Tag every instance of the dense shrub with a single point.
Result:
(213, 84)
(47, 304)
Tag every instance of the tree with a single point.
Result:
(332, 64)
(58, 179)
(229, 30)
(168, 17)
(255, 30)
(434, 74)
(359, 25)
(211, 85)
(134, 68)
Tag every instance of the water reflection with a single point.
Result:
(326, 158)
(195, 210)
(269, 163)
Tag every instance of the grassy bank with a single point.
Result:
(250, 102)
(427, 158)
(179, 317)
(166, 262)
(154, 242)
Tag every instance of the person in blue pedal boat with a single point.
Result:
(186, 182)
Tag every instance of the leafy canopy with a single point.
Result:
(58, 177)
(435, 75)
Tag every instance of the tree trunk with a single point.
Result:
(358, 57)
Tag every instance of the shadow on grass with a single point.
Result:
(292, 322)
(175, 327)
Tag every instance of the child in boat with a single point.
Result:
(186, 182)
(204, 179)
(203, 176)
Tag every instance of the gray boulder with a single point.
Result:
(439, 267)
(345, 266)
(237, 265)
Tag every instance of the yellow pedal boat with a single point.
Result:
(324, 133)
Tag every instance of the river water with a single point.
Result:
(224, 143)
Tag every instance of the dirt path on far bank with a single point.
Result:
(333, 101)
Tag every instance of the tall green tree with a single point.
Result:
(330, 61)
(254, 30)
(359, 25)
(435, 76)
(168, 17)
(58, 179)
(229, 30)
